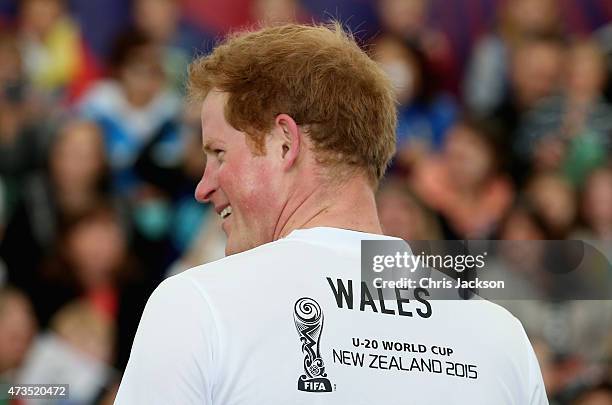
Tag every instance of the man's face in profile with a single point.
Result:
(242, 186)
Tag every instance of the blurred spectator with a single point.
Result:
(163, 211)
(554, 200)
(488, 77)
(208, 246)
(535, 71)
(179, 181)
(2, 206)
(75, 180)
(407, 19)
(465, 183)
(3, 272)
(522, 223)
(171, 159)
(572, 132)
(17, 330)
(276, 11)
(78, 167)
(161, 21)
(56, 57)
(522, 255)
(604, 38)
(22, 114)
(167, 218)
(571, 335)
(89, 259)
(402, 215)
(152, 215)
(132, 105)
(550, 370)
(424, 115)
(598, 395)
(12, 88)
(3, 269)
(91, 262)
(596, 206)
(84, 327)
(76, 351)
(96, 250)
(195, 232)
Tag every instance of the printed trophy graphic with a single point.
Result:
(309, 324)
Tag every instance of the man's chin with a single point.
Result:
(234, 248)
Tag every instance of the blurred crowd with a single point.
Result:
(100, 155)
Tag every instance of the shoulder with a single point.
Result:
(173, 302)
(497, 329)
(178, 335)
(492, 311)
(235, 266)
(266, 267)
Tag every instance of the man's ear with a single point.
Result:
(289, 141)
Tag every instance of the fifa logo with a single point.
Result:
(308, 319)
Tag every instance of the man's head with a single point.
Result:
(287, 109)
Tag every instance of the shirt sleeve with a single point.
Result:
(171, 361)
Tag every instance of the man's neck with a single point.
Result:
(349, 206)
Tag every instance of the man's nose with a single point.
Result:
(207, 186)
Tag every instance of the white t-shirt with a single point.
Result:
(273, 326)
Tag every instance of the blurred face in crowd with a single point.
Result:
(243, 187)
(403, 17)
(157, 18)
(536, 69)
(521, 226)
(78, 158)
(554, 200)
(534, 16)
(399, 214)
(39, 16)
(96, 248)
(142, 76)
(17, 328)
(586, 71)
(12, 111)
(12, 106)
(85, 329)
(601, 396)
(275, 11)
(469, 158)
(597, 201)
(10, 63)
(399, 64)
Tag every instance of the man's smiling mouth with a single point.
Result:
(227, 211)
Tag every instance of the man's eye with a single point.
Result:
(218, 152)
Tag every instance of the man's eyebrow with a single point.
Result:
(208, 147)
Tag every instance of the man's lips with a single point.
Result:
(223, 210)
(226, 212)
